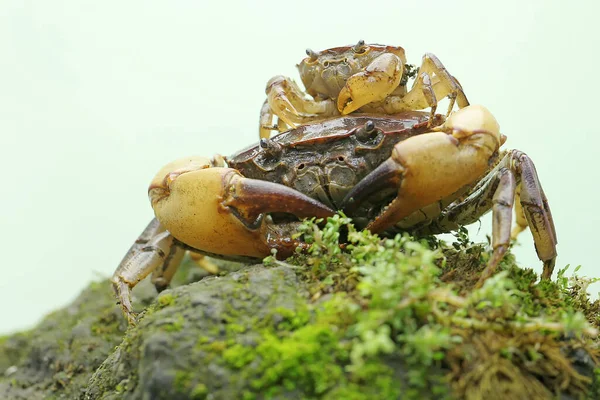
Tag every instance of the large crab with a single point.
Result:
(369, 78)
(389, 173)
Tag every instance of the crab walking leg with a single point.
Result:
(379, 79)
(537, 212)
(433, 76)
(204, 263)
(503, 199)
(154, 247)
(161, 276)
(521, 224)
(512, 181)
(290, 104)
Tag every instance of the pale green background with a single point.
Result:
(96, 96)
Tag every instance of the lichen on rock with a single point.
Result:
(391, 318)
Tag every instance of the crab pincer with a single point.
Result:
(212, 209)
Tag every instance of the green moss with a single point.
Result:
(400, 299)
(165, 299)
(199, 392)
(380, 318)
(65, 349)
(175, 325)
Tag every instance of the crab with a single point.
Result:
(394, 173)
(369, 78)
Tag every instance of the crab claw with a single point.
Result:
(375, 83)
(429, 167)
(217, 210)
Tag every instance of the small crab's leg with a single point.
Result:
(291, 105)
(154, 247)
(267, 121)
(378, 80)
(421, 96)
(443, 84)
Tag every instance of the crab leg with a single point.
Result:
(162, 275)
(153, 248)
(290, 104)
(513, 181)
(204, 263)
(434, 82)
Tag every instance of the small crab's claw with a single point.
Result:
(217, 210)
(429, 167)
(375, 83)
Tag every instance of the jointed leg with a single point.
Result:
(433, 77)
(422, 95)
(162, 275)
(513, 181)
(154, 247)
(204, 263)
(290, 104)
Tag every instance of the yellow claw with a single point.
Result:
(188, 203)
(429, 167)
(217, 210)
(375, 83)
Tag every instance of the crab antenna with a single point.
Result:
(358, 46)
(312, 54)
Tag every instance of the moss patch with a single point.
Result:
(383, 318)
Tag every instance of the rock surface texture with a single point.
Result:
(386, 319)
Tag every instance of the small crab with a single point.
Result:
(402, 172)
(369, 78)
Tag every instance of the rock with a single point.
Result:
(319, 329)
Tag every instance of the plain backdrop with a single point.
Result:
(96, 96)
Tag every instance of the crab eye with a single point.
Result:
(360, 47)
(270, 148)
(312, 56)
(366, 132)
(326, 64)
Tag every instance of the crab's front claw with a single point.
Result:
(217, 210)
(375, 83)
(427, 168)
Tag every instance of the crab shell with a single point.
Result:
(305, 172)
(326, 160)
(326, 73)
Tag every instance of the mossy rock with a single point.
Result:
(393, 318)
